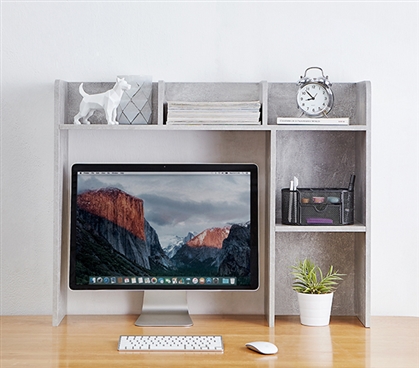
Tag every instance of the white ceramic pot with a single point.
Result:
(315, 309)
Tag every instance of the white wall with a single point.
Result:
(205, 42)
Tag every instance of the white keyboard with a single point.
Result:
(171, 343)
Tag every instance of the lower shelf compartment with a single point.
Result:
(342, 250)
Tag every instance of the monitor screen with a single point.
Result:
(164, 227)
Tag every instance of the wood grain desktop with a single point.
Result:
(91, 341)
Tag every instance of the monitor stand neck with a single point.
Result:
(164, 308)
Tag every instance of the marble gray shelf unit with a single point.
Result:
(321, 155)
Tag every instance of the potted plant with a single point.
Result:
(315, 292)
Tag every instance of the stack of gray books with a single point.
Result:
(229, 113)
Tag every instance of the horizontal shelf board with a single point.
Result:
(321, 127)
(212, 127)
(356, 228)
(164, 127)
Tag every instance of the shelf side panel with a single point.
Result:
(362, 279)
(59, 307)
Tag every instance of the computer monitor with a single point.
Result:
(164, 229)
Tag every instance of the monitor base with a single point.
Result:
(164, 320)
(164, 308)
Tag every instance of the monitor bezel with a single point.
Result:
(170, 167)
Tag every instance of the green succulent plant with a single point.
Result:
(309, 278)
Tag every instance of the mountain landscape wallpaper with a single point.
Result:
(147, 227)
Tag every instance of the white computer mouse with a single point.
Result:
(262, 347)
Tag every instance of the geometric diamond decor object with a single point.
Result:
(135, 106)
(139, 119)
(146, 112)
(139, 100)
(130, 111)
(122, 119)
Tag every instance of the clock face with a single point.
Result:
(314, 100)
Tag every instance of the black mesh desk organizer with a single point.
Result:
(318, 206)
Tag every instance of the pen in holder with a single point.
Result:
(291, 204)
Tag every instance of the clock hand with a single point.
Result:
(312, 98)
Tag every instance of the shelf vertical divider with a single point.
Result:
(160, 102)
(270, 256)
(263, 98)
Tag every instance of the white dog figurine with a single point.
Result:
(107, 101)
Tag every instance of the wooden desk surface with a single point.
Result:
(91, 341)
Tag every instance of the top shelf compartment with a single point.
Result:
(352, 100)
(68, 101)
(212, 92)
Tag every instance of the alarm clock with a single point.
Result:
(314, 96)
